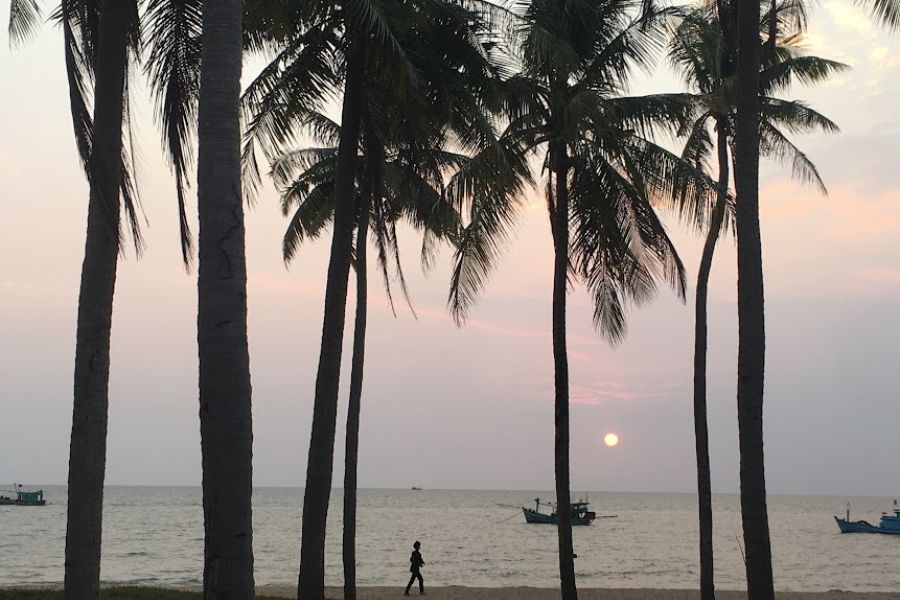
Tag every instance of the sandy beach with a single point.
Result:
(533, 593)
(459, 592)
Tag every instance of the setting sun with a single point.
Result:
(611, 439)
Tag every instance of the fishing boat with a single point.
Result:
(889, 524)
(578, 513)
(22, 497)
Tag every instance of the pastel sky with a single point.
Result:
(448, 407)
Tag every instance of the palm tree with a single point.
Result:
(87, 451)
(751, 317)
(321, 446)
(174, 31)
(604, 177)
(387, 190)
(707, 62)
(225, 405)
(98, 37)
(375, 50)
(312, 44)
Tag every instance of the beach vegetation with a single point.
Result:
(448, 108)
(705, 54)
(605, 178)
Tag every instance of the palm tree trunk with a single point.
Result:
(701, 430)
(226, 430)
(561, 376)
(351, 454)
(87, 452)
(751, 316)
(311, 582)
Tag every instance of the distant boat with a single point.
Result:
(578, 513)
(890, 524)
(416, 488)
(23, 498)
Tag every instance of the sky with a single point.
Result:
(472, 407)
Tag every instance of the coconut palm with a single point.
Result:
(397, 48)
(87, 451)
(705, 58)
(604, 177)
(387, 192)
(311, 50)
(751, 317)
(98, 40)
(225, 411)
(173, 30)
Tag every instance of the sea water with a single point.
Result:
(154, 536)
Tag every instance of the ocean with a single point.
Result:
(154, 536)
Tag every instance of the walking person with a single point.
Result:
(415, 563)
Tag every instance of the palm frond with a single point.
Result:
(283, 96)
(773, 144)
(323, 129)
(285, 167)
(698, 146)
(174, 31)
(886, 12)
(128, 189)
(489, 186)
(619, 246)
(314, 213)
(795, 116)
(79, 72)
(24, 18)
(805, 69)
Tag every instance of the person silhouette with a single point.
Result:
(415, 563)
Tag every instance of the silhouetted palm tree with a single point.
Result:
(98, 37)
(375, 38)
(604, 176)
(707, 62)
(225, 392)
(197, 92)
(87, 452)
(751, 316)
(387, 191)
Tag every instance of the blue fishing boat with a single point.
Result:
(578, 513)
(889, 524)
(22, 497)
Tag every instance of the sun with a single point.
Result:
(611, 439)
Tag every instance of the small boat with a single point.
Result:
(578, 513)
(889, 524)
(23, 497)
(416, 488)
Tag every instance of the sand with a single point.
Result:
(458, 592)
(532, 593)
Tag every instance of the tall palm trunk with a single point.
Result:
(226, 430)
(751, 317)
(351, 453)
(701, 430)
(561, 375)
(311, 582)
(87, 452)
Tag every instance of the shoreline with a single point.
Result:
(460, 592)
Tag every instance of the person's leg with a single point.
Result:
(421, 582)
(412, 578)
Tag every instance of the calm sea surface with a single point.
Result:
(153, 536)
